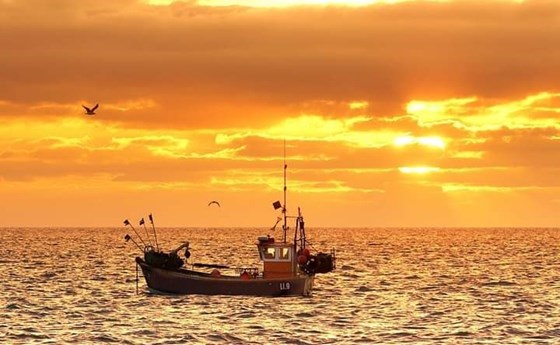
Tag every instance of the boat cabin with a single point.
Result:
(279, 258)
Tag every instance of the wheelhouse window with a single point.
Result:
(270, 253)
(284, 253)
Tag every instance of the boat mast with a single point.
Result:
(285, 226)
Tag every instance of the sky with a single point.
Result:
(390, 113)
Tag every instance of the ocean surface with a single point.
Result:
(391, 286)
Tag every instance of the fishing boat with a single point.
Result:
(289, 265)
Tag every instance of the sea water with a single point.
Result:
(391, 286)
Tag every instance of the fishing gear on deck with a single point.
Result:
(170, 261)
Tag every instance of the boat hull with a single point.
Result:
(191, 282)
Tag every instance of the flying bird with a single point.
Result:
(92, 110)
(214, 202)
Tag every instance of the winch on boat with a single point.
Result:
(170, 261)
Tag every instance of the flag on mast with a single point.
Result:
(154, 229)
(142, 221)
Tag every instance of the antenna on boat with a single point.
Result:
(285, 226)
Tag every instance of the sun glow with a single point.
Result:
(435, 109)
(358, 105)
(418, 170)
(424, 141)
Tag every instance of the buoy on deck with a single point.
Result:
(215, 273)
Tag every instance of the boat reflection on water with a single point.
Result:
(288, 265)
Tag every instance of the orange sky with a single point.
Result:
(396, 113)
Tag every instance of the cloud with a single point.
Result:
(219, 66)
(534, 111)
(315, 128)
(450, 188)
(199, 99)
(242, 181)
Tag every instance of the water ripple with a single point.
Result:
(393, 286)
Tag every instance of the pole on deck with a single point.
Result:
(127, 223)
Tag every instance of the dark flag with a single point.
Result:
(126, 222)
(142, 221)
(151, 219)
(277, 205)
(127, 237)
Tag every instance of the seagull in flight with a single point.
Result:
(214, 202)
(92, 110)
